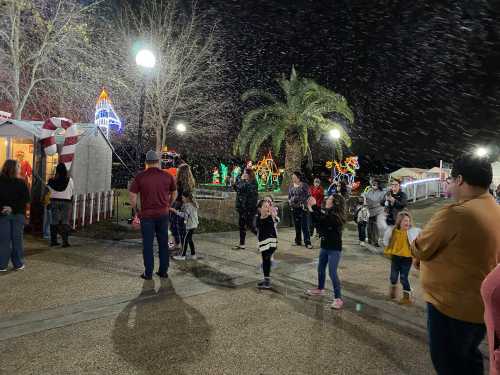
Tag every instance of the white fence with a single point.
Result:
(424, 189)
(92, 207)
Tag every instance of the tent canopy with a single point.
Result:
(23, 128)
(408, 172)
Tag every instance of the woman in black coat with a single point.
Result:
(14, 196)
(247, 196)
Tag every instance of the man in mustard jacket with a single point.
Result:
(455, 252)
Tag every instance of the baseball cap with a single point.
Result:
(152, 155)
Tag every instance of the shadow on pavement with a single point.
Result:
(317, 309)
(159, 333)
(207, 275)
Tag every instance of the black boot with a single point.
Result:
(53, 236)
(65, 234)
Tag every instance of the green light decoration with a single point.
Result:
(223, 174)
(268, 175)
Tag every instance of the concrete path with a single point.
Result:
(84, 310)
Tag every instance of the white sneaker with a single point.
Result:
(3, 269)
(337, 304)
(361, 243)
(179, 257)
(20, 268)
(193, 257)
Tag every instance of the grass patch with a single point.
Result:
(107, 230)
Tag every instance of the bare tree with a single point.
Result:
(187, 82)
(45, 49)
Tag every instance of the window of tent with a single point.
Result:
(50, 166)
(22, 150)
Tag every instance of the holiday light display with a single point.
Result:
(267, 173)
(346, 170)
(105, 115)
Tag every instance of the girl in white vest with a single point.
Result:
(397, 242)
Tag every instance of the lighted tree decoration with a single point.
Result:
(105, 115)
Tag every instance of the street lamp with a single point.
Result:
(334, 135)
(482, 152)
(181, 127)
(146, 60)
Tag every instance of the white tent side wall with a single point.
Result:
(91, 170)
(496, 173)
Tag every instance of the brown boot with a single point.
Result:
(406, 300)
(392, 291)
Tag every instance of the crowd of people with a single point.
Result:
(457, 252)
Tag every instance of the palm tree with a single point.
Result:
(303, 112)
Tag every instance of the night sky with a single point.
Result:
(422, 77)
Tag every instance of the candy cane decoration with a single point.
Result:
(70, 139)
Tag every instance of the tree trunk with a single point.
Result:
(293, 158)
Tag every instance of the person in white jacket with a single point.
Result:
(189, 212)
(61, 194)
(397, 242)
(377, 221)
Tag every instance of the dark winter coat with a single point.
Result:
(246, 196)
(394, 209)
(329, 228)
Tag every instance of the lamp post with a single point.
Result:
(334, 135)
(146, 60)
(482, 152)
(181, 127)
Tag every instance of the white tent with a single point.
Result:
(414, 173)
(496, 172)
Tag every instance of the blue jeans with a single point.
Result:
(332, 259)
(150, 228)
(301, 222)
(400, 267)
(454, 344)
(47, 221)
(11, 240)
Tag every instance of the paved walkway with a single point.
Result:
(84, 310)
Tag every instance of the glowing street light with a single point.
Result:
(181, 127)
(145, 58)
(481, 152)
(334, 134)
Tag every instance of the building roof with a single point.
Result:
(35, 128)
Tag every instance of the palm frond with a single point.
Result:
(256, 93)
(259, 138)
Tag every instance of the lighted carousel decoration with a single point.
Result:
(267, 173)
(345, 170)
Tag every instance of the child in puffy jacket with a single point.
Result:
(397, 241)
(362, 215)
(189, 213)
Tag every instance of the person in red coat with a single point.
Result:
(318, 193)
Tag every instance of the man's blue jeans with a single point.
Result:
(150, 228)
(330, 258)
(11, 240)
(454, 344)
